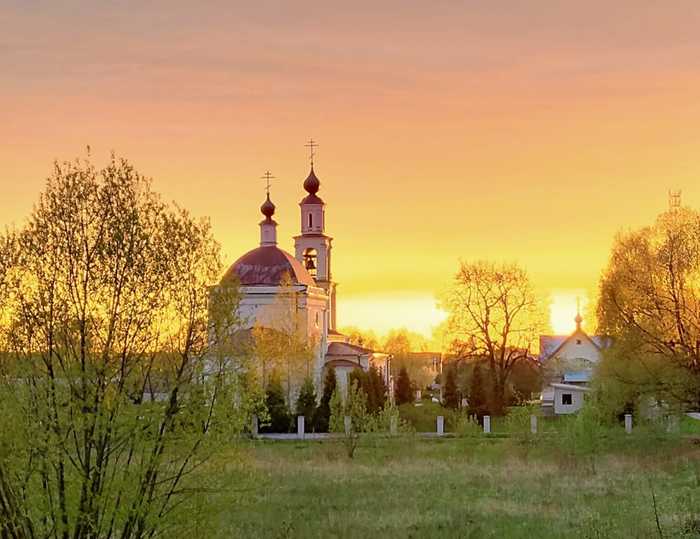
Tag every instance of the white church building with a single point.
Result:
(268, 272)
(568, 362)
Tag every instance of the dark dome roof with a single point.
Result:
(311, 183)
(268, 208)
(266, 266)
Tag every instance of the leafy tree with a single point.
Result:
(650, 303)
(281, 342)
(376, 390)
(372, 384)
(354, 407)
(323, 412)
(117, 376)
(403, 392)
(306, 402)
(450, 394)
(359, 337)
(280, 418)
(494, 314)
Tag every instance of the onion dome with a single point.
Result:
(312, 185)
(268, 266)
(268, 208)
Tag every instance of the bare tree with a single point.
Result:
(113, 368)
(493, 314)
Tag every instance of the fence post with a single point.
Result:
(440, 425)
(254, 426)
(487, 424)
(347, 420)
(300, 427)
(628, 423)
(533, 424)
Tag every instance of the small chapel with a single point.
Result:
(268, 271)
(568, 362)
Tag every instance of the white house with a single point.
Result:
(567, 362)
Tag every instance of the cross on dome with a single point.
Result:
(311, 145)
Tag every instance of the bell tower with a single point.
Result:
(313, 246)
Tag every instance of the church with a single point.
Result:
(268, 272)
(568, 362)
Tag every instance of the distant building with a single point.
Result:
(267, 272)
(567, 362)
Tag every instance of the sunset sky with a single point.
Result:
(526, 131)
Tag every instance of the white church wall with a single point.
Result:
(579, 347)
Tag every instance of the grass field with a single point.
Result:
(459, 487)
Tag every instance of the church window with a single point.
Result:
(311, 261)
(567, 399)
(317, 319)
(311, 220)
(578, 341)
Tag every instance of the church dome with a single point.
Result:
(267, 266)
(268, 208)
(311, 183)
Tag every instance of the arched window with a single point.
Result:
(311, 220)
(310, 261)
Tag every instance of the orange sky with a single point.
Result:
(521, 130)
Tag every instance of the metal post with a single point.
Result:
(440, 425)
(628, 423)
(487, 424)
(533, 424)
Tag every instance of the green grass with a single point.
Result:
(475, 487)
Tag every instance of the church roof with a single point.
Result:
(347, 349)
(267, 266)
(551, 344)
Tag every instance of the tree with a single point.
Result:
(306, 402)
(354, 407)
(450, 394)
(280, 418)
(372, 384)
(403, 392)
(493, 313)
(281, 341)
(477, 395)
(106, 292)
(359, 337)
(650, 302)
(323, 412)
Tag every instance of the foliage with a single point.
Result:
(493, 314)
(372, 384)
(354, 407)
(121, 373)
(403, 392)
(280, 418)
(478, 404)
(323, 412)
(359, 337)
(306, 401)
(450, 394)
(462, 423)
(650, 300)
(281, 343)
